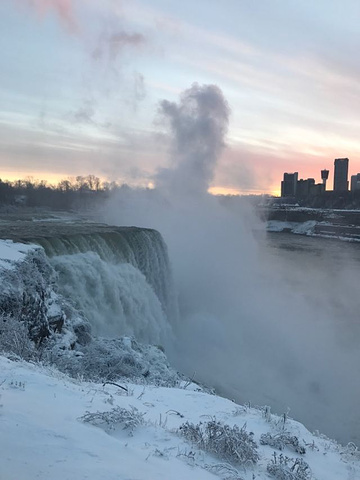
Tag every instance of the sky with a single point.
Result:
(82, 81)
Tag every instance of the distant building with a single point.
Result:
(355, 182)
(303, 187)
(308, 188)
(316, 189)
(289, 184)
(341, 182)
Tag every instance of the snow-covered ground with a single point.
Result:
(43, 435)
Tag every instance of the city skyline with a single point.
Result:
(292, 185)
(82, 82)
(339, 178)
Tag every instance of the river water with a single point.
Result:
(326, 274)
(325, 271)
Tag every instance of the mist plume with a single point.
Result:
(244, 328)
(198, 125)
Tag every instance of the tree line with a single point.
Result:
(73, 193)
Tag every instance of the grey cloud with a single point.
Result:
(136, 90)
(84, 114)
(48, 151)
(111, 44)
(139, 86)
(109, 54)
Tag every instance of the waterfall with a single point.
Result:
(120, 279)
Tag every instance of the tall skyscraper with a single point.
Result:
(341, 182)
(288, 185)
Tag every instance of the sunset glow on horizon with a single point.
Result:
(82, 81)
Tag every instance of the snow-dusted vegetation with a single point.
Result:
(229, 443)
(111, 359)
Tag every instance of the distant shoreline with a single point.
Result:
(325, 223)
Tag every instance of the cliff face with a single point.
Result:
(27, 294)
(36, 321)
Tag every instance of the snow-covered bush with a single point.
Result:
(108, 359)
(127, 419)
(113, 359)
(285, 468)
(225, 471)
(282, 440)
(230, 444)
(14, 339)
(350, 452)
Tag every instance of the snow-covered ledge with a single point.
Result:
(26, 289)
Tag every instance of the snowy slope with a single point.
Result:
(42, 436)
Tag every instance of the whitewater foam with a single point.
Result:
(119, 280)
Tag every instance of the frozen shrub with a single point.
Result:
(230, 444)
(110, 360)
(224, 471)
(117, 417)
(14, 338)
(350, 452)
(100, 360)
(106, 360)
(285, 468)
(282, 440)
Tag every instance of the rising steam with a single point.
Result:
(198, 126)
(243, 327)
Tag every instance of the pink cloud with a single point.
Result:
(63, 8)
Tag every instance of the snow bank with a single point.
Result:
(11, 252)
(43, 436)
(301, 228)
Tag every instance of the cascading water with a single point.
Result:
(119, 279)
